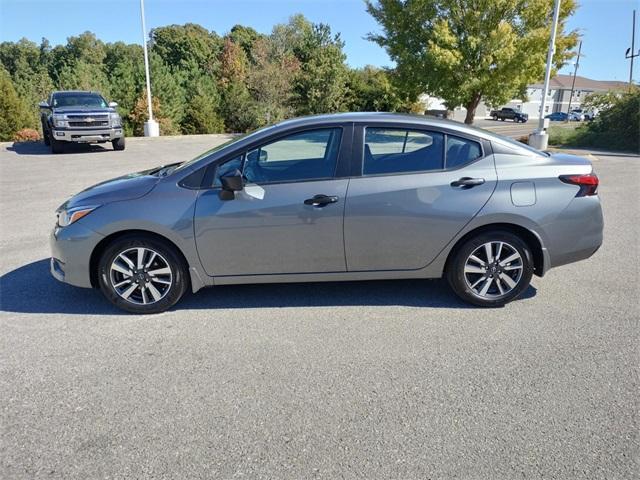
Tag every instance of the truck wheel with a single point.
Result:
(45, 136)
(118, 143)
(494, 118)
(56, 145)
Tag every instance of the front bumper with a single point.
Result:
(71, 249)
(85, 135)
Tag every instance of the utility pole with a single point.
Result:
(631, 52)
(573, 83)
(540, 138)
(151, 127)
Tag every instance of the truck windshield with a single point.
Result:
(79, 100)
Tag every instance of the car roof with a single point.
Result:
(381, 117)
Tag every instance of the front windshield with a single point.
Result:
(79, 100)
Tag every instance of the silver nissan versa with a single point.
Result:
(356, 196)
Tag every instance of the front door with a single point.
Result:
(287, 220)
(418, 189)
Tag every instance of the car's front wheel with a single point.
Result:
(141, 274)
(491, 269)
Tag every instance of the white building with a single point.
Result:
(557, 99)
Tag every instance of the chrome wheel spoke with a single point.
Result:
(499, 251)
(151, 259)
(154, 291)
(508, 280)
(485, 287)
(477, 260)
(127, 293)
(160, 280)
(119, 268)
(141, 252)
(473, 269)
(500, 287)
(127, 261)
(515, 255)
(488, 252)
(145, 299)
(122, 283)
(160, 271)
(512, 267)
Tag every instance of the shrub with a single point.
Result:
(26, 135)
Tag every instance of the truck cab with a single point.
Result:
(78, 116)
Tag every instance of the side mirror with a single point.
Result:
(44, 105)
(113, 104)
(231, 182)
(263, 156)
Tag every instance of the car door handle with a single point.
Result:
(321, 200)
(467, 182)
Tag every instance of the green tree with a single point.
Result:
(203, 105)
(271, 81)
(320, 84)
(14, 115)
(370, 89)
(466, 51)
(188, 46)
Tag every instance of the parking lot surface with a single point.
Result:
(336, 380)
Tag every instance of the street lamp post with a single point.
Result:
(540, 138)
(151, 127)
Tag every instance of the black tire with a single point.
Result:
(118, 143)
(456, 277)
(165, 253)
(56, 145)
(494, 118)
(45, 135)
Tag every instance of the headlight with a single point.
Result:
(116, 121)
(59, 121)
(67, 217)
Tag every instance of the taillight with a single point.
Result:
(588, 183)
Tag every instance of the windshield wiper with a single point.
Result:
(164, 170)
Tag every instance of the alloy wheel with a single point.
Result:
(141, 276)
(493, 269)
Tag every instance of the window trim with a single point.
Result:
(360, 136)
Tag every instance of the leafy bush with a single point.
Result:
(26, 135)
(618, 124)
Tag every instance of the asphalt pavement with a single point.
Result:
(338, 380)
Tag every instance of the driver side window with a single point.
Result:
(306, 155)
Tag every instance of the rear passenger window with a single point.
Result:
(461, 151)
(389, 150)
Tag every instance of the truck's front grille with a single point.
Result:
(88, 120)
(103, 123)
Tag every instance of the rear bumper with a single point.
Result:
(577, 233)
(87, 135)
(71, 249)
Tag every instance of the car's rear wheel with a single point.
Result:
(491, 269)
(45, 135)
(141, 274)
(118, 143)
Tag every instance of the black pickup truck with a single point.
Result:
(509, 113)
(80, 117)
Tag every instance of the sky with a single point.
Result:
(605, 25)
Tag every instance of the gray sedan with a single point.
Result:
(334, 197)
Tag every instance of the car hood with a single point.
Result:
(83, 110)
(127, 187)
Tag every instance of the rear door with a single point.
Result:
(417, 189)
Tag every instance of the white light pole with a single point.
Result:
(540, 138)
(151, 127)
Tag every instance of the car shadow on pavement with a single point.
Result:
(32, 289)
(39, 148)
